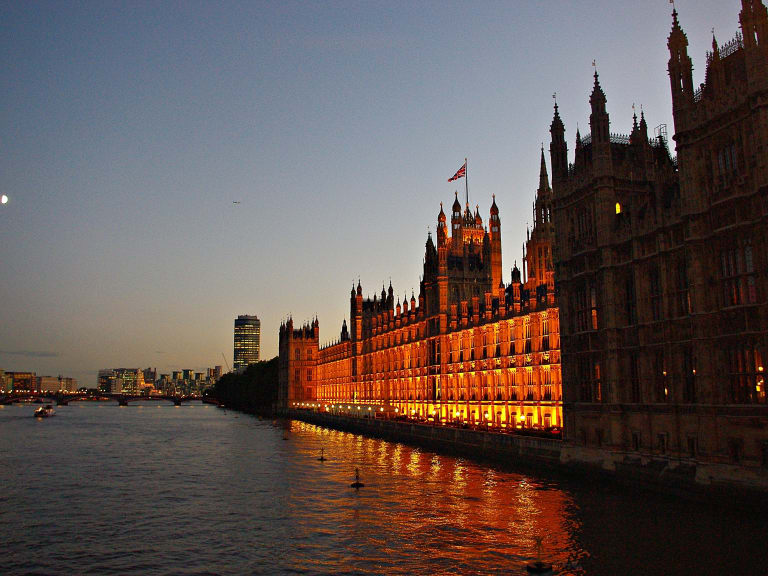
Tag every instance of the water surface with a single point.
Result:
(157, 489)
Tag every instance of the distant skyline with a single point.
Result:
(170, 166)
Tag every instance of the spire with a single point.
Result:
(597, 99)
(494, 208)
(441, 215)
(643, 125)
(558, 149)
(598, 120)
(543, 176)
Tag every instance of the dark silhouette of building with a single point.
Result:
(662, 264)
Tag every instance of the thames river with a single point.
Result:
(157, 489)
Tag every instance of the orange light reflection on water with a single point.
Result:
(423, 509)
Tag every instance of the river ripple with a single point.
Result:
(157, 489)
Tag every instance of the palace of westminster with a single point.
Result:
(639, 323)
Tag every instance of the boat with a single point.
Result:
(45, 411)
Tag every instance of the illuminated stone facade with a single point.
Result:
(470, 349)
(662, 267)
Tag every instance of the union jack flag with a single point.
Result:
(462, 172)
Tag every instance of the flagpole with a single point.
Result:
(466, 179)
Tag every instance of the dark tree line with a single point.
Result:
(255, 390)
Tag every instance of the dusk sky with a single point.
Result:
(129, 129)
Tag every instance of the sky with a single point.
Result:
(128, 130)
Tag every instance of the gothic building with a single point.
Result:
(470, 349)
(662, 264)
(297, 364)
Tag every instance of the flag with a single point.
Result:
(461, 173)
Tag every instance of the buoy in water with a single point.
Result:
(357, 483)
(322, 458)
(539, 567)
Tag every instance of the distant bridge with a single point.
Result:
(64, 398)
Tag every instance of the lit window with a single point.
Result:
(618, 207)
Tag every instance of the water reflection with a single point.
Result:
(421, 509)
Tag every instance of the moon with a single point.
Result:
(3, 199)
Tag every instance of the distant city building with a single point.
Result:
(5, 382)
(121, 380)
(150, 376)
(56, 384)
(26, 381)
(247, 342)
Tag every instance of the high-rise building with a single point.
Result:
(247, 342)
(661, 267)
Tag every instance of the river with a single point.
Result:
(157, 489)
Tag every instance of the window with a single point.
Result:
(529, 384)
(629, 305)
(689, 377)
(297, 354)
(584, 305)
(661, 443)
(660, 377)
(726, 161)
(682, 296)
(527, 334)
(634, 378)
(746, 376)
(590, 380)
(546, 375)
(737, 270)
(309, 375)
(654, 279)
(735, 449)
(545, 332)
(692, 446)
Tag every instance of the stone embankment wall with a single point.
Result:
(513, 449)
(531, 453)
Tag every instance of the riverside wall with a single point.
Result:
(530, 453)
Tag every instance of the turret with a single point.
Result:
(457, 223)
(598, 120)
(543, 203)
(680, 70)
(754, 26)
(494, 229)
(442, 232)
(558, 149)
